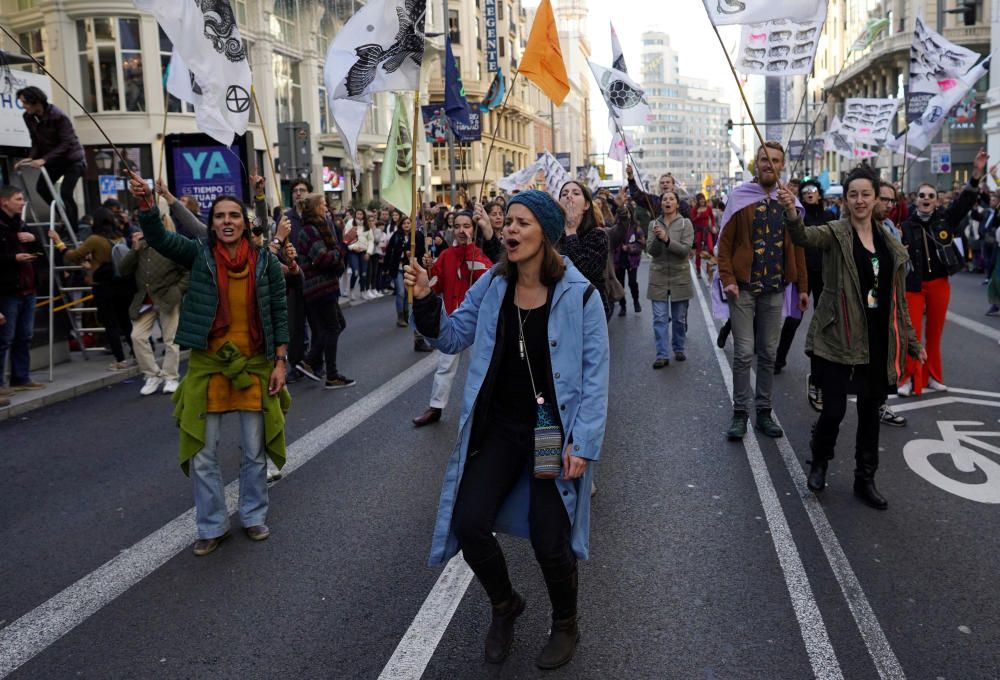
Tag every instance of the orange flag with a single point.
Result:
(542, 61)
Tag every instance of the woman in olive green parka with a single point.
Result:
(860, 331)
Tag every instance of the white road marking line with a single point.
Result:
(35, 631)
(884, 658)
(814, 635)
(418, 645)
(974, 326)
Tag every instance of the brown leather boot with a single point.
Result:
(431, 415)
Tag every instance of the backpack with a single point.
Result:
(111, 271)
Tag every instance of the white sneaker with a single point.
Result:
(170, 386)
(906, 389)
(353, 295)
(151, 386)
(369, 295)
(375, 294)
(936, 386)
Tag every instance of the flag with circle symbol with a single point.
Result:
(209, 67)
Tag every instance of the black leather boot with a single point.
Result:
(864, 479)
(564, 635)
(821, 456)
(501, 634)
(559, 650)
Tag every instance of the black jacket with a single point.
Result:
(941, 228)
(53, 137)
(397, 253)
(648, 200)
(10, 270)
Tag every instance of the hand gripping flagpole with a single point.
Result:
(267, 149)
(69, 94)
(628, 152)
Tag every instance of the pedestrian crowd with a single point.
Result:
(529, 284)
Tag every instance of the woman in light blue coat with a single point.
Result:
(540, 348)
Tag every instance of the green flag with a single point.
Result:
(397, 165)
(871, 31)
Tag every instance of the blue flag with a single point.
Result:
(455, 105)
(495, 94)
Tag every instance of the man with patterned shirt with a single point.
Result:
(757, 260)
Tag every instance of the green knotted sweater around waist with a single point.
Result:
(191, 399)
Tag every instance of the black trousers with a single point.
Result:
(791, 324)
(489, 475)
(296, 325)
(112, 302)
(71, 174)
(633, 282)
(326, 321)
(837, 381)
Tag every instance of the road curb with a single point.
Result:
(54, 397)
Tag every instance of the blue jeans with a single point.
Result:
(402, 305)
(677, 312)
(359, 269)
(15, 336)
(209, 490)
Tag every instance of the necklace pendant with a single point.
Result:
(520, 347)
(539, 399)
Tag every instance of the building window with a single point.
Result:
(324, 107)
(502, 48)
(25, 4)
(285, 21)
(34, 40)
(454, 32)
(174, 105)
(287, 88)
(111, 64)
(241, 13)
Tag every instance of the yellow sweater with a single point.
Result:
(222, 397)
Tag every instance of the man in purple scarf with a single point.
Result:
(757, 261)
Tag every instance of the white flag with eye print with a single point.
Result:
(781, 48)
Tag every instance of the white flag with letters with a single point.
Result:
(781, 48)
(210, 54)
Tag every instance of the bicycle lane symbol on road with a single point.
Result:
(956, 463)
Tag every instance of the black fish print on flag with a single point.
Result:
(408, 44)
(220, 27)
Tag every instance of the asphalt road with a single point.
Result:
(708, 558)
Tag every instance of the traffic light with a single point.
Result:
(729, 126)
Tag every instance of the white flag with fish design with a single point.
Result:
(210, 52)
(625, 99)
(781, 48)
(379, 49)
(725, 12)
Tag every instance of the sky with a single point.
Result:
(690, 31)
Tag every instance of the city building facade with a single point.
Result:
(882, 71)
(688, 136)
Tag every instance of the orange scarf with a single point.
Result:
(245, 257)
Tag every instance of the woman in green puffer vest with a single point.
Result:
(234, 318)
(860, 331)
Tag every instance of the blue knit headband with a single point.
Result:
(548, 213)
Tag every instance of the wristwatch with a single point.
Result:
(281, 357)
(276, 241)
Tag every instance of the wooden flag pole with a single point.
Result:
(267, 150)
(163, 135)
(414, 207)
